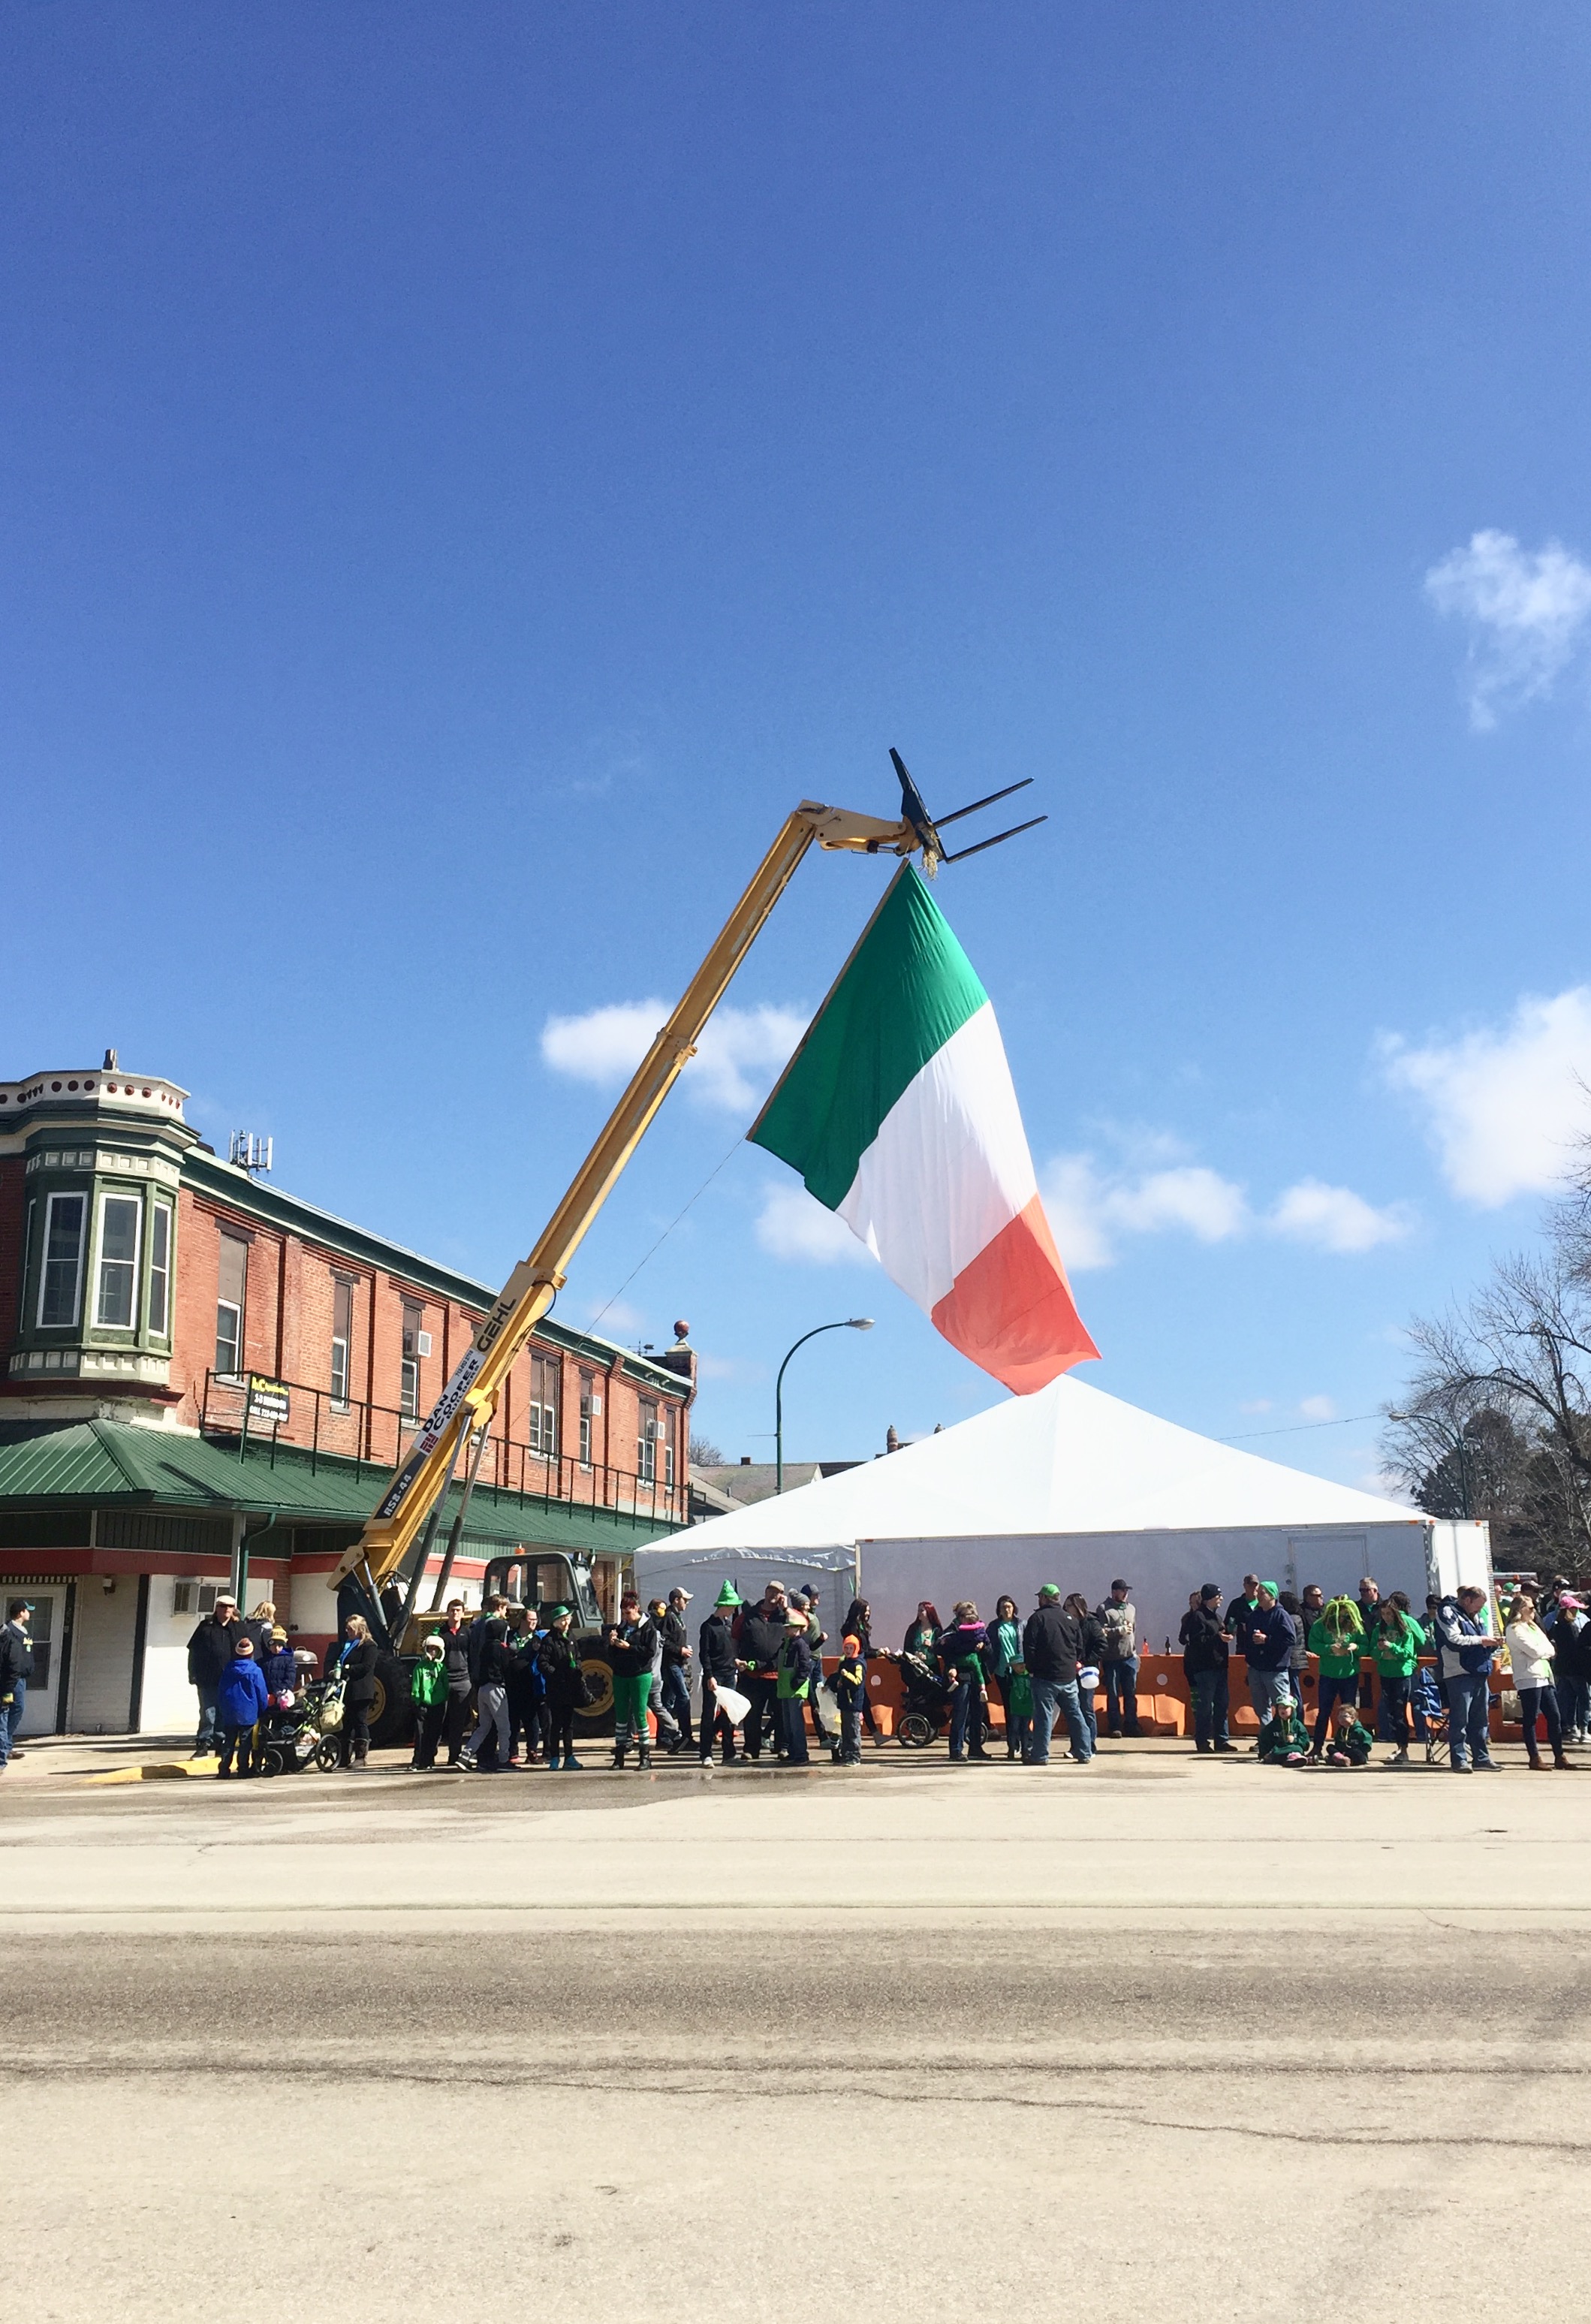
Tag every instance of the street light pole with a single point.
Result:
(846, 1324)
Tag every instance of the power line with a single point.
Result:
(668, 1230)
(1298, 1427)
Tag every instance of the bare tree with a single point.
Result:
(1497, 1415)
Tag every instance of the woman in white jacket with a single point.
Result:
(1530, 1653)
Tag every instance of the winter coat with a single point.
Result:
(455, 1658)
(1235, 1621)
(1203, 1641)
(1571, 1645)
(358, 1667)
(559, 1659)
(428, 1682)
(16, 1658)
(280, 1667)
(630, 1649)
(1396, 1650)
(1051, 1640)
(960, 1651)
(1092, 1642)
(716, 1642)
(674, 1640)
(761, 1639)
(1270, 1641)
(1530, 1653)
(494, 1653)
(210, 1649)
(850, 1681)
(1283, 1737)
(1120, 1626)
(795, 1668)
(1462, 1646)
(240, 1692)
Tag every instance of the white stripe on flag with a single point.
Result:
(948, 1167)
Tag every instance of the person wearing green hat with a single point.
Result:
(558, 1658)
(1268, 1641)
(719, 1667)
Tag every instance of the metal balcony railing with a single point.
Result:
(376, 1436)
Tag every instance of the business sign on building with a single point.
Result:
(268, 1400)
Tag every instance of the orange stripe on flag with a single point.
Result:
(1011, 1309)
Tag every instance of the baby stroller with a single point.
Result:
(308, 1735)
(926, 1706)
(289, 1737)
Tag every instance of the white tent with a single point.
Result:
(1073, 1486)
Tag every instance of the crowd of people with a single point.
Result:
(502, 1690)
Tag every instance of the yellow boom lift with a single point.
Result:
(411, 1505)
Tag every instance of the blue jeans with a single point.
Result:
(10, 1719)
(1087, 1705)
(1121, 1696)
(208, 1734)
(1469, 1699)
(1391, 1716)
(1266, 1688)
(1210, 1703)
(1542, 1699)
(793, 1719)
(1050, 1695)
(968, 1723)
(676, 1696)
(1333, 1690)
(1574, 1701)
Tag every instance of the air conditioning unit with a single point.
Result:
(422, 1342)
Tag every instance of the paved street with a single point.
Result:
(1162, 2039)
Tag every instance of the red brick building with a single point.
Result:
(144, 1283)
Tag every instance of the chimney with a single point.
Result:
(891, 1441)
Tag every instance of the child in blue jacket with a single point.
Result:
(241, 1697)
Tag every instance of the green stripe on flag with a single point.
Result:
(905, 989)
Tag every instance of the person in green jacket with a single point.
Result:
(428, 1690)
(1396, 1643)
(1283, 1738)
(1338, 1640)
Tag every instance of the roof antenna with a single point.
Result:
(926, 831)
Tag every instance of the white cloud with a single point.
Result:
(791, 1225)
(1092, 1208)
(1507, 1108)
(1316, 1408)
(737, 1058)
(1334, 1218)
(1526, 615)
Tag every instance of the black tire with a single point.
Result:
(915, 1732)
(392, 1713)
(328, 1752)
(271, 1762)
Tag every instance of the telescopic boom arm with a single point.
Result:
(471, 1396)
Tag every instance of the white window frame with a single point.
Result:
(646, 1444)
(238, 1307)
(340, 1399)
(162, 1331)
(587, 1399)
(408, 1390)
(102, 1323)
(44, 1262)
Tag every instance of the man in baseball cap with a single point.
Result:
(210, 1652)
(676, 1674)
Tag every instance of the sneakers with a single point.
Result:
(570, 1761)
(1461, 1767)
(467, 1762)
(1225, 1747)
(1400, 1757)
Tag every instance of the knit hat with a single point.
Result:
(279, 1635)
(433, 1646)
(1271, 1586)
(728, 1596)
(852, 1645)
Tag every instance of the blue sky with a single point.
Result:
(466, 472)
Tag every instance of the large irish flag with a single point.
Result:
(898, 1111)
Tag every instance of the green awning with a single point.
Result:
(115, 1464)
